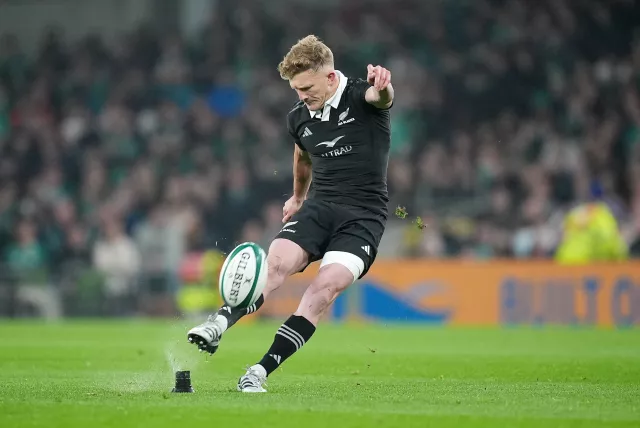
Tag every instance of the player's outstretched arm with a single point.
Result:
(380, 95)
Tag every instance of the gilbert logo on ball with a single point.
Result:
(243, 275)
(240, 278)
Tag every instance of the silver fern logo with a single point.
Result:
(343, 115)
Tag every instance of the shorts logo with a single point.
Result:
(286, 226)
(366, 249)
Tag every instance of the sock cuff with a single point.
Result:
(301, 325)
(290, 337)
(253, 308)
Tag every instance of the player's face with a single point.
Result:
(314, 87)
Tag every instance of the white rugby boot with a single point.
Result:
(254, 380)
(207, 335)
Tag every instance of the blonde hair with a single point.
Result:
(308, 54)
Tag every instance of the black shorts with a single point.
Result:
(319, 227)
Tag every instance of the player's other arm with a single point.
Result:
(301, 173)
(380, 94)
(301, 183)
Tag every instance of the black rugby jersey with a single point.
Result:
(349, 151)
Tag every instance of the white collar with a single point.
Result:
(334, 101)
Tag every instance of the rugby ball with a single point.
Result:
(243, 275)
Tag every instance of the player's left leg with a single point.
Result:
(337, 272)
(285, 257)
(290, 252)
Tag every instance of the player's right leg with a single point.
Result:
(284, 259)
(337, 271)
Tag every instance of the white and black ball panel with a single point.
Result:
(243, 275)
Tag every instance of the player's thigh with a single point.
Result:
(310, 229)
(355, 246)
(285, 257)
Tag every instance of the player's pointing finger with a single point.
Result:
(386, 79)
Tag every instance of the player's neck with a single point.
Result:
(333, 91)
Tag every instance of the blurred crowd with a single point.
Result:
(128, 153)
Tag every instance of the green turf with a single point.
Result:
(119, 374)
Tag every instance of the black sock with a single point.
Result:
(291, 336)
(234, 314)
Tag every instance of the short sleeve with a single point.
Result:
(358, 92)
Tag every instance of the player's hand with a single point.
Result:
(379, 77)
(290, 208)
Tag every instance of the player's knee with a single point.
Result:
(330, 282)
(320, 300)
(322, 293)
(274, 266)
(284, 259)
(275, 273)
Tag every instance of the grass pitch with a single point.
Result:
(119, 374)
